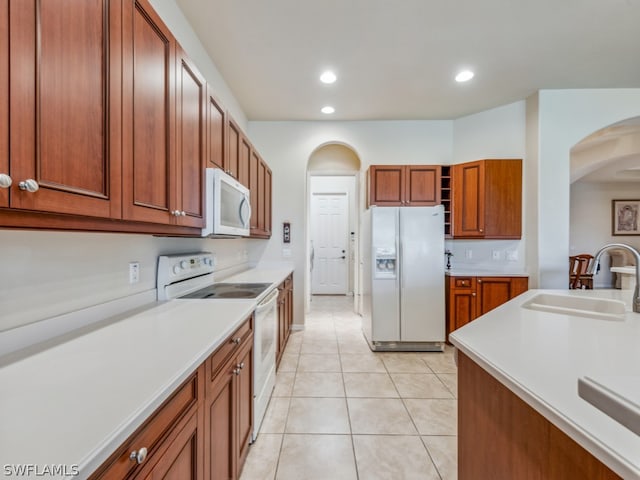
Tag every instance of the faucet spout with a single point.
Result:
(636, 254)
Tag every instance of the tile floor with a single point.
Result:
(340, 411)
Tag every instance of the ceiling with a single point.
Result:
(396, 59)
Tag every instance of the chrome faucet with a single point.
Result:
(635, 253)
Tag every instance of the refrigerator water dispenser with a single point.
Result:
(385, 263)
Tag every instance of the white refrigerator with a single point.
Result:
(403, 278)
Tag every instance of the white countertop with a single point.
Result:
(76, 402)
(540, 356)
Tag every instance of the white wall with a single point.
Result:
(590, 227)
(564, 118)
(287, 146)
(45, 274)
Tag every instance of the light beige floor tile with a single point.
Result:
(353, 346)
(262, 459)
(361, 362)
(288, 362)
(293, 345)
(405, 363)
(370, 385)
(434, 416)
(319, 362)
(393, 457)
(316, 457)
(451, 382)
(441, 362)
(420, 385)
(318, 384)
(318, 415)
(275, 418)
(284, 384)
(379, 416)
(444, 452)
(319, 346)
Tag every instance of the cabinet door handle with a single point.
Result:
(236, 341)
(473, 294)
(236, 371)
(240, 366)
(139, 455)
(479, 281)
(29, 185)
(5, 180)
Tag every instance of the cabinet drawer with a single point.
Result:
(231, 344)
(463, 282)
(151, 434)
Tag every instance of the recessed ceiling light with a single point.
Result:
(328, 77)
(328, 110)
(464, 76)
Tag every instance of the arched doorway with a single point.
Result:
(333, 211)
(605, 167)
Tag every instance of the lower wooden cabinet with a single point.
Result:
(469, 297)
(285, 315)
(203, 430)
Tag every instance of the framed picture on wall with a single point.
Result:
(625, 217)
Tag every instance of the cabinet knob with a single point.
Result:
(236, 341)
(5, 180)
(236, 371)
(183, 213)
(473, 294)
(139, 455)
(240, 365)
(479, 281)
(481, 230)
(29, 185)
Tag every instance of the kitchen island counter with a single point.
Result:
(74, 402)
(540, 356)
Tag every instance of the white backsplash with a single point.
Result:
(498, 255)
(45, 274)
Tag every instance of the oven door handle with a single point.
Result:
(268, 301)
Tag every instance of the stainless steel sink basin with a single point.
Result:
(574, 305)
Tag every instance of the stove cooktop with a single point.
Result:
(229, 290)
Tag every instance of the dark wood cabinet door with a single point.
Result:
(262, 168)
(216, 132)
(386, 185)
(64, 105)
(244, 394)
(254, 190)
(183, 459)
(422, 185)
(503, 207)
(190, 142)
(464, 307)
(468, 199)
(243, 161)
(4, 102)
(232, 159)
(220, 446)
(268, 179)
(149, 134)
(494, 291)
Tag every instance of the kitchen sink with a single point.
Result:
(574, 305)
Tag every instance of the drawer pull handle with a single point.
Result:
(139, 455)
(240, 366)
(236, 371)
(236, 341)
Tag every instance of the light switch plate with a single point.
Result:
(134, 272)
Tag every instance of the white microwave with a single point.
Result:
(228, 209)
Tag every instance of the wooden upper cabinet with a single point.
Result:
(243, 161)
(4, 103)
(149, 172)
(190, 141)
(487, 199)
(386, 185)
(404, 185)
(232, 158)
(64, 107)
(254, 190)
(268, 179)
(216, 132)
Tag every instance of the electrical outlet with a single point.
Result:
(495, 254)
(512, 255)
(468, 253)
(134, 272)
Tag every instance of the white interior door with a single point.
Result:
(329, 243)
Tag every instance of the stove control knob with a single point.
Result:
(184, 264)
(176, 269)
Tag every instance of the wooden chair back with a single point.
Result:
(578, 267)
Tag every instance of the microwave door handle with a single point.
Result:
(243, 219)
